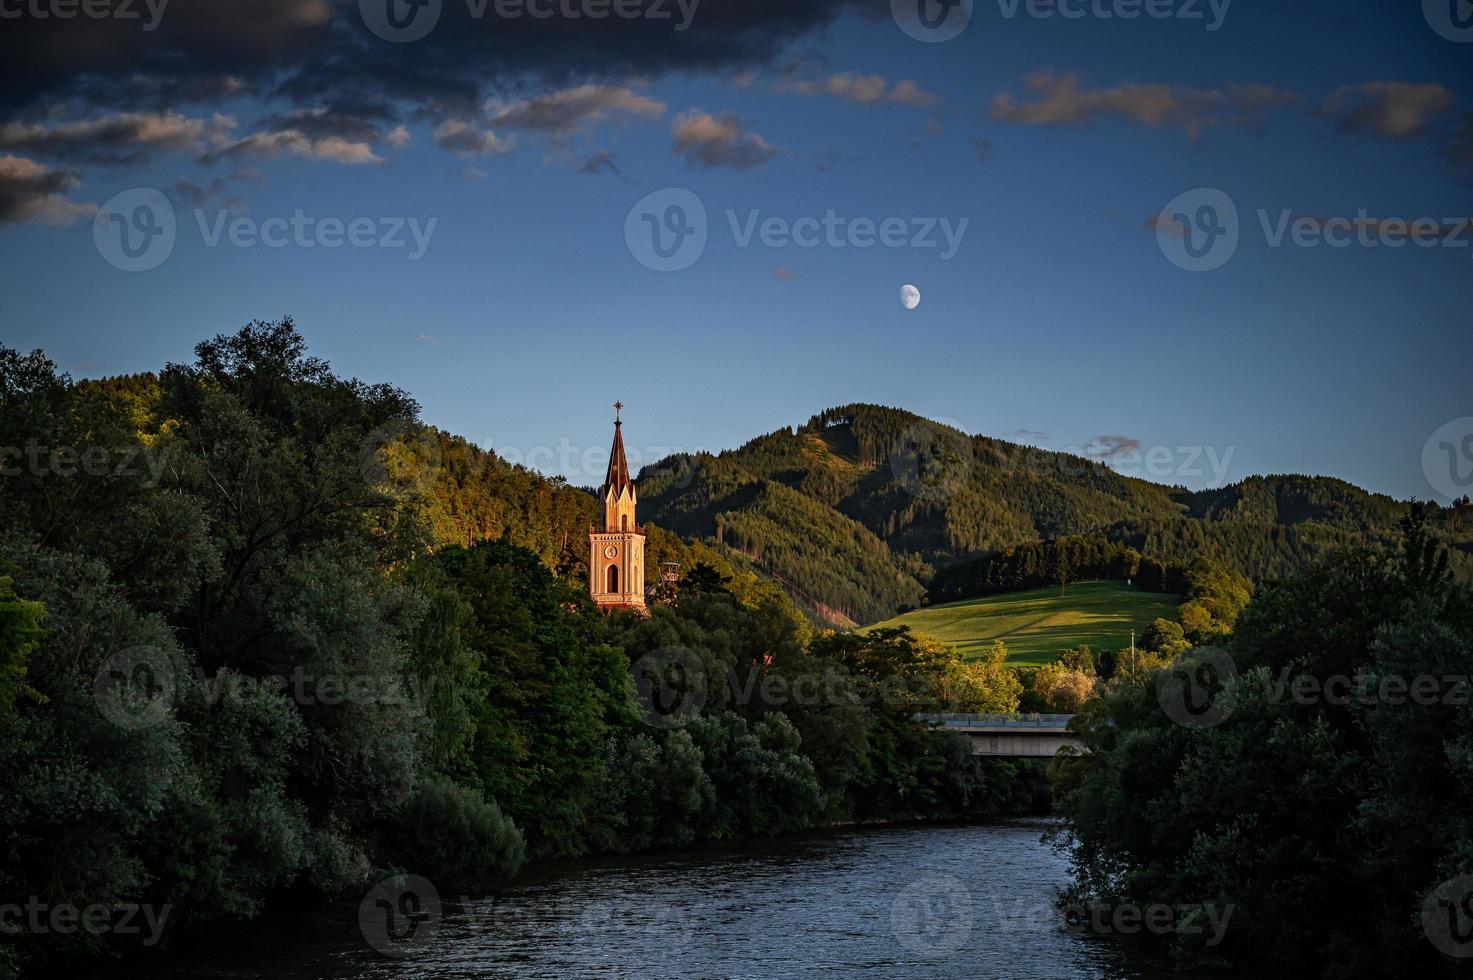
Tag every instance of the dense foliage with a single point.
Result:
(891, 499)
(1055, 562)
(263, 637)
(1314, 791)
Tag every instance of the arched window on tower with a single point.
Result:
(613, 578)
(623, 522)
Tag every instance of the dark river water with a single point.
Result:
(922, 901)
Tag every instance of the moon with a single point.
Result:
(910, 297)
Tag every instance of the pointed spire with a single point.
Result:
(617, 478)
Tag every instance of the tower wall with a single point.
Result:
(616, 553)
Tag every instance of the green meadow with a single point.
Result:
(1038, 624)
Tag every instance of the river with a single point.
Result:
(915, 901)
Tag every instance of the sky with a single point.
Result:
(505, 177)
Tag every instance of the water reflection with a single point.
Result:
(926, 901)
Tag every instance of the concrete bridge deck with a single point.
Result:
(1022, 736)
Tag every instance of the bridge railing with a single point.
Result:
(1021, 722)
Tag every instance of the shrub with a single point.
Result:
(449, 834)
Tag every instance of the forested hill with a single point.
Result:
(856, 510)
(454, 492)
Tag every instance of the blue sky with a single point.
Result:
(1059, 320)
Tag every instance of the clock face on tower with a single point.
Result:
(611, 551)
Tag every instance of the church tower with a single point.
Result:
(616, 554)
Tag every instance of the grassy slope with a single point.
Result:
(1038, 624)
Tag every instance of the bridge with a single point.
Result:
(1027, 736)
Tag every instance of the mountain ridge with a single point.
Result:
(859, 507)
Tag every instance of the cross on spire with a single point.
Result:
(618, 407)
